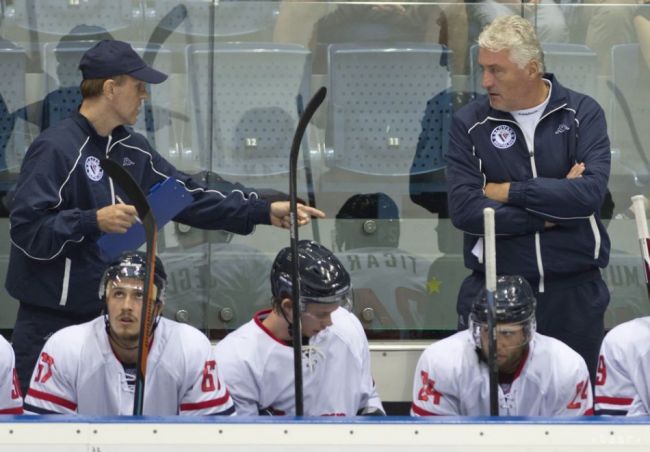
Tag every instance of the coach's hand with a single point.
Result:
(280, 214)
(116, 218)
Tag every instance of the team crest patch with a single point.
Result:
(94, 170)
(503, 136)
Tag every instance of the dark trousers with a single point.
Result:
(574, 314)
(34, 325)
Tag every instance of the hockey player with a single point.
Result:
(538, 375)
(11, 401)
(257, 359)
(90, 368)
(619, 378)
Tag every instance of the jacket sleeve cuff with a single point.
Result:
(89, 222)
(260, 211)
(517, 194)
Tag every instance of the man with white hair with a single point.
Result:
(538, 153)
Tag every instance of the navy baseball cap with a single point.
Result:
(109, 58)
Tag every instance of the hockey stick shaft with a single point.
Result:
(135, 194)
(638, 207)
(309, 179)
(491, 287)
(306, 116)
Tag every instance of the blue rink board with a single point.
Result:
(357, 420)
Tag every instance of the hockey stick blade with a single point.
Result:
(491, 287)
(126, 182)
(306, 116)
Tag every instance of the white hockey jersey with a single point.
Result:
(11, 401)
(450, 380)
(78, 372)
(258, 368)
(620, 353)
(641, 380)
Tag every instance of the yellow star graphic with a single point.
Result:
(433, 285)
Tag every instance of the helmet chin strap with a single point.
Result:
(305, 339)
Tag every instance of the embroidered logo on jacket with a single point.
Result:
(94, 170)
(127, 162)
(561, 129)
(503, 136)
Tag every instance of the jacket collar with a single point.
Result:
(118, 132)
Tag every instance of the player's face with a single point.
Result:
(509, 87)
(128, 97)
(316, 317)
(511, 342)
(124, 304)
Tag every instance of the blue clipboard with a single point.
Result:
(166, 201)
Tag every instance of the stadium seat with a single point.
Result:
(629, 110)
(245, 100)
(14, 137)
(377, 104)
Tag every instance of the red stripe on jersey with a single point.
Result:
(52, 398)
(17, 410)
(205, 404)
(613, 400)
(421, 412)
(589, 412)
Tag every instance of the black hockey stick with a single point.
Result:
(306, 116)
(139, 200)
(309, 178)
(491, 288)
(638, 207)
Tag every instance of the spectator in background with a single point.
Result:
(546, 16)
(608, 23)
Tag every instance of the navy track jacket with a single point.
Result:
(487, 145)
(55, 261)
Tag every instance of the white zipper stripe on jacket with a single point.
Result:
(110, 181)
(60, 192)
(594, 229)
(66, 282)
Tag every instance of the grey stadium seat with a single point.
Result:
(378, 100)
(629, 111)
(14, 137)
(248, 128)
